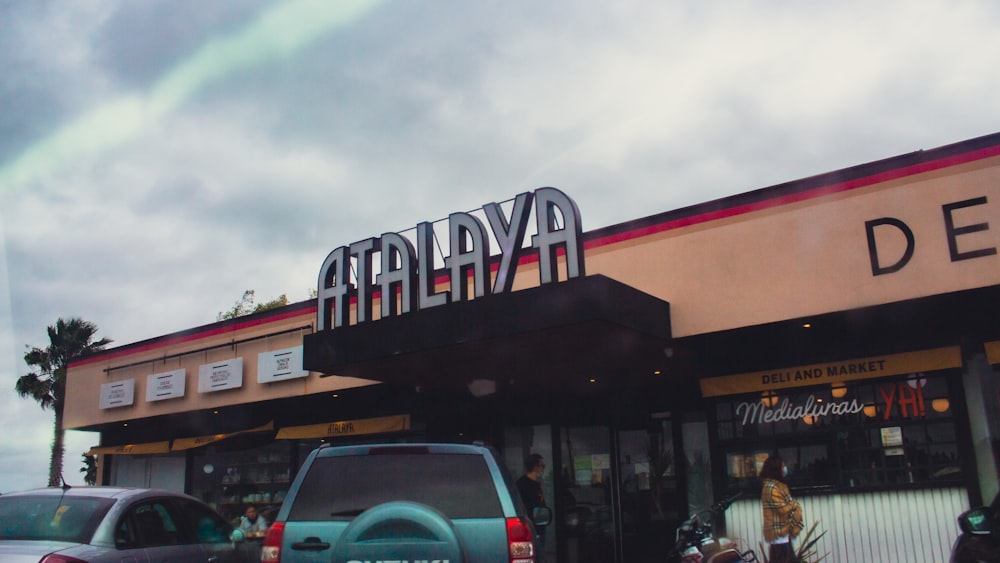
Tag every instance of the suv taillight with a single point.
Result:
(271, 550)
(520, 541)
(56, 558)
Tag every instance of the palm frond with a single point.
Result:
(805, 553)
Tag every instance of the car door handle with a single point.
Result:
(311, 544)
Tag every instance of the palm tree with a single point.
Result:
(47, 385)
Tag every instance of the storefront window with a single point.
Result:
(865, 434)
(230, 479)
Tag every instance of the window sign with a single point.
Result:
(227, 374)
(167, 385)
(861, 434)
(758, 411)
(117, 394)
(279, 365)
(892, 436)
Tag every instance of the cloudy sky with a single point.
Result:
(159, 157)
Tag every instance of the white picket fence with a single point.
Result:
(913, 526)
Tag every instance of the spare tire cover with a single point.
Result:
(399, 531)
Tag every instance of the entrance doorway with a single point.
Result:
(585, 505)
(652, 501)
(617, 493)
(519, 443)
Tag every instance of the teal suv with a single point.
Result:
(445, 503)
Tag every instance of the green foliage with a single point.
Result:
(89, 469)
(806, 550)
(245, 306)
(68, 340)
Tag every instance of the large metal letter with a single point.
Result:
(550, 238)
(463, 258)
(402, 276)
(877, 268)
(953, 231)
(426, 297)
(510, 236)
(333, 290)
(364, 249)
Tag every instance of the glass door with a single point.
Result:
(520, 443)
(652, 505)
(585, 495)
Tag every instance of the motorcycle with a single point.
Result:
(697, 541)
(979, 541)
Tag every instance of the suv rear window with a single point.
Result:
(342, 487)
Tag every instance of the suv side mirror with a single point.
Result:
(975, 521)
(541, 515)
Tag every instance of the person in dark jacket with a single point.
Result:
(530, 487)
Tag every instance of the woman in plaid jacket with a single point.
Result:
(782, 513)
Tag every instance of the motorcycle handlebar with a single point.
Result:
(724, 503)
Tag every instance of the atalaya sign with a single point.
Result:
(406, 277)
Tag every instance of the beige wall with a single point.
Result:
(811, 257)
(83, 384)
(778, 262)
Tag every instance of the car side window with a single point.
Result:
(147, 525)
(209, 527)
(125, 534)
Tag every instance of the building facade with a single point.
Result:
(846, 321)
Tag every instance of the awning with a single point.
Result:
(132, 449)
(198, 441)
(343, 428)
(993, 352)
(582, 327)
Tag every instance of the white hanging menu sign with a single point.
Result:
(279, 365)
(117, 394)
(217, 376)
(166, 385)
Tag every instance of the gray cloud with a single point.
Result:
(412, 112)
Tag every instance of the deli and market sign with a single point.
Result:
(405, 281)
(833, 372)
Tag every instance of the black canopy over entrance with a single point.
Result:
(582, 328)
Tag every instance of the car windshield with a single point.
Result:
(47, 517)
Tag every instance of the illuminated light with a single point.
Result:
(215, 412)
(124, 424)
(806, 325)
(769, 398)
(657, 372)
(593, 380)
(335, 395)
(870, 411)
(809, 419)
(838, 390)
(940, 405)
